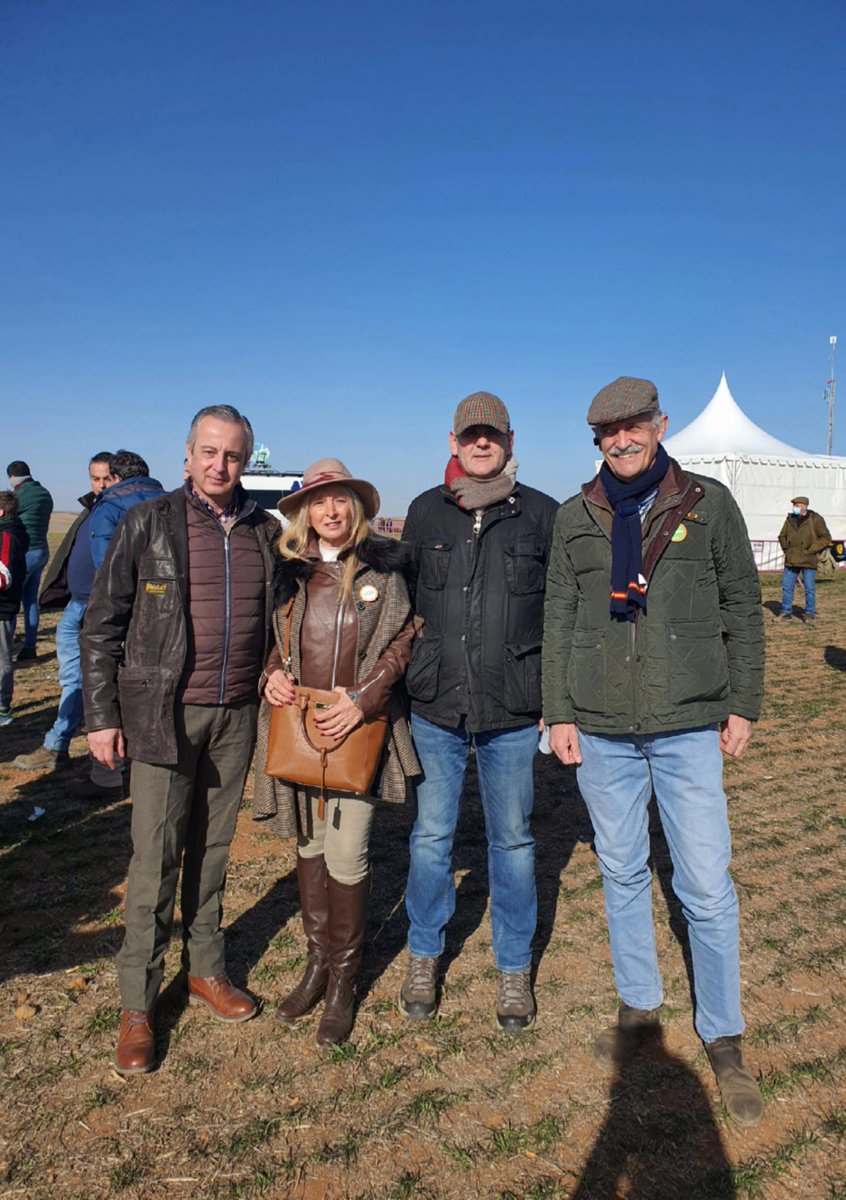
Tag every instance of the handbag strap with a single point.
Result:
(286, 637)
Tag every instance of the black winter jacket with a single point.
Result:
(481, 597)
(135, 634)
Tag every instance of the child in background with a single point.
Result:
(14, 542)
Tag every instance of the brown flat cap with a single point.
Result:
(482, 408)
(624, 398)
(800, 500)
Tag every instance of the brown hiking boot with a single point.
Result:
(418, 999)
(741, 1094)
(42, 759)
(515, 1005)
(635, 1028)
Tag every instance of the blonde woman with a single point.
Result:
(351, 632)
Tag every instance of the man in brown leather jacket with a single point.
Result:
(173, 643)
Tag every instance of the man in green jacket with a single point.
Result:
(803, 535)
(653, 664)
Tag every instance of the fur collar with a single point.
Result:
(381, 554)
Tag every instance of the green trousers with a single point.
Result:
(183, 814)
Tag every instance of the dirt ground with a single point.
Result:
(448, 1108)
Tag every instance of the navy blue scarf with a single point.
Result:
(628, 586)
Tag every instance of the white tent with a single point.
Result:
(762, 473)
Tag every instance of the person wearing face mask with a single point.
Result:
(803, 535)
(653, 664)
(479, 547)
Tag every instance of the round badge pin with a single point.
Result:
(680, 534)
(368, 593)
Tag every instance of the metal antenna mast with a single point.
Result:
(830, 390)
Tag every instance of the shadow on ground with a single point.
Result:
(658, 1136)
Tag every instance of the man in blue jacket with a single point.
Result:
(117, 484)
(132, 486)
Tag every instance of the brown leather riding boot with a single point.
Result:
(347, 910)
(311, 877)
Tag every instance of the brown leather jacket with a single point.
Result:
(377, 647)
(134, 639)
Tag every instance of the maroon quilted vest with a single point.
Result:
(226, 611)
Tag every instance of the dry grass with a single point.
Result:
(445, 1109)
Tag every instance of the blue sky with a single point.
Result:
(344, 215)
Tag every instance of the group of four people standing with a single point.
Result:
(628, 618)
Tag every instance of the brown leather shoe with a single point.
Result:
(136, 1048)
(224, 1000)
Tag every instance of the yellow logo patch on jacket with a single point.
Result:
(155, 589)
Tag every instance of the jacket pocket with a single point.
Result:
(521, 691)
(146, 709)
(424, 669)
(434, 564)
(586, 671)
(697, 662)
(525, 565)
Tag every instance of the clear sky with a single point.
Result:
(344, 215)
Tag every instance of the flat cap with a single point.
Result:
(481, 408)
(624, 398)
(800, 500)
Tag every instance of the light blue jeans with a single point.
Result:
(788, 586)
(36, 561)
(684, 769)
(69, 717)
(504, 761)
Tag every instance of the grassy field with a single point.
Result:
(446, 1109)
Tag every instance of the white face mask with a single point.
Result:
(797, 512)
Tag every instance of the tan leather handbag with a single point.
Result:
(298, 752)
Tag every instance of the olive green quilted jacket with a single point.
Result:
(694, 656)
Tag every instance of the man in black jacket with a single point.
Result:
(173, 644)
(479, 548)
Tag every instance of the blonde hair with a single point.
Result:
(293, 543)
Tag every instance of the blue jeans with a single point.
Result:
(788, 585)
(69, 717)
(36, 561)
(504, 761)
(616, 779)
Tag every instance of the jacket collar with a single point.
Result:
(380, 554)
(674, 483)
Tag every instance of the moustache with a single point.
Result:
(627, 453)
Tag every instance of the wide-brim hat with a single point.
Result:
(330, 470)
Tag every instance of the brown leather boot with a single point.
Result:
(635, 1028)
(347, 909)
(311, 876)
(741, 1094)
(136, 1048)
